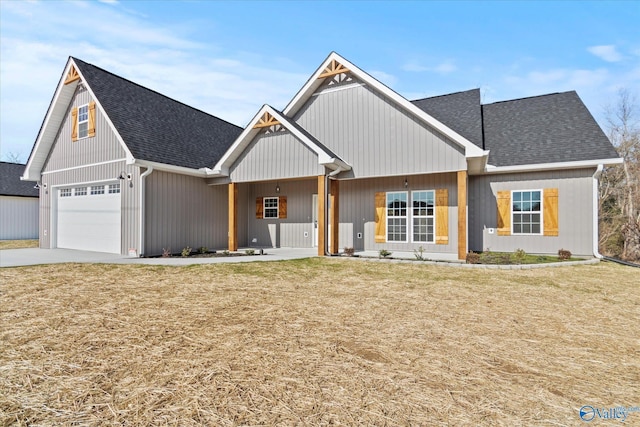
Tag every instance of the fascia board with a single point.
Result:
(489, 169)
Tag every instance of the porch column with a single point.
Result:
(322, 223)
(462, 214)
(233, 216)
(334, 214)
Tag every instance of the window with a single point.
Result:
(83, 121)
(80, 191)
(65, 192)
(270, 207)
(423, 211)
(526, 209)
(97, 189)
(397, 217)
(114, 188)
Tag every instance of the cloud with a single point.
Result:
(36, 42)
(606, 52)
(445, 67)
(385, 78)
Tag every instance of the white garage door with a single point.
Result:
(89, 218)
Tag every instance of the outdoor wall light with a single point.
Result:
(277, 187)
(406, 183)
(37, 186)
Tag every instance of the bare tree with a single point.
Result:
(12, 157)
(620, 185)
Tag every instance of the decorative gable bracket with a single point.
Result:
(72, 76)
(267, 120)
(332, 69)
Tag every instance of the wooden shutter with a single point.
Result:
(550, 206)
(381, 218)
(442, 216)
(74, 124)
(259, 208)
(504, 213)
(282, 207)
(92, 119)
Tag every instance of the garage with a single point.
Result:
(89, 217)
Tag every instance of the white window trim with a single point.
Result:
(406, 217)
(541, 213)
(425, 216)
(83, 121)
(264, 207)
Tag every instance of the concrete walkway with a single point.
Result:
(36, 256)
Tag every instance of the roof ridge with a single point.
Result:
(153, 91)
(445, 94)
(530, 97)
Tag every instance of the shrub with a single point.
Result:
(203, 250)
(473, 258)
(419, 253)
(186, 252)
(383, 253)
(250, 251)
(225, 252)
(166, 253)
(519, 255)
(564, 254)
(349, 251)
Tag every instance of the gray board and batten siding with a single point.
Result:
(575, 211)
(276, 155)
(181, 211)
(374, 135)
(357, 211)
(96, 160)
(295, 231)
(18, 217)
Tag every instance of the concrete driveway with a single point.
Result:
(36, 256)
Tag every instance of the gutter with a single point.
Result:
(596, 233)
(141, 223)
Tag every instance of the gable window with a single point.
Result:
(423, 210)
(270, 207)
(526, 211)
(397, 217)
(83, 121)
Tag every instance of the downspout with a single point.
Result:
(326, 207)
(596, 233)
(142, 205)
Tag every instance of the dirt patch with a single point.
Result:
(315, 342)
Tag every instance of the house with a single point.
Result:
(347, 163)
(19, 204)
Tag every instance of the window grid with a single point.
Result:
(397, 216)
(65, 192)
(97, 189)
(270, 207)
(423, 212)
(83, 121)
(80, 191)
(114, 188)
(526, 211)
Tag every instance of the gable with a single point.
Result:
(67, 153)
(275, 155)
(374, 134)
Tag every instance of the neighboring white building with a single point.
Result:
(19, 204)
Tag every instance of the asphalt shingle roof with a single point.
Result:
(157, 128)
(543, 129)
(459, 111)
(10, 184)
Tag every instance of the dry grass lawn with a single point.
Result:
(18, 244)
(316, 342)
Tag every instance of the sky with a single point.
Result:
(230, 58)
